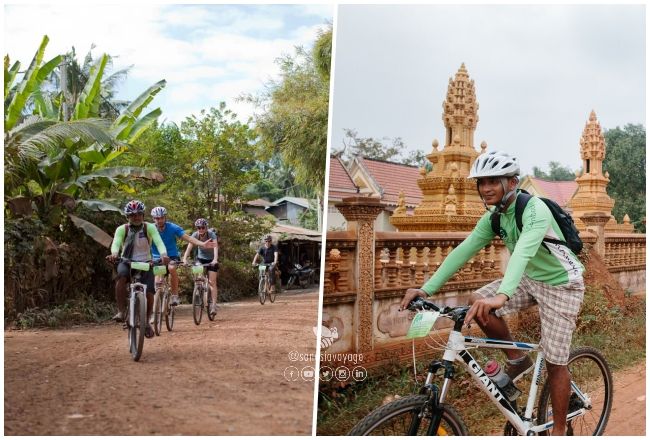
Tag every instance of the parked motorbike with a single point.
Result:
(302, 276)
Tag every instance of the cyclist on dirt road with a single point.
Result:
(208, 256)
(269, 254)
(134, 239)
(169, 232)
(548, 275)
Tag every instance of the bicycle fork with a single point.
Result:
(434, 404)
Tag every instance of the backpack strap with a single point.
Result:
(520, 205)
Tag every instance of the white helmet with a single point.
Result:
(494, 164)
(158, 211)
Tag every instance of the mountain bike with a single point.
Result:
(136, 307)
(428, 413)
(162, 306)
(264, 286)
(201, 294)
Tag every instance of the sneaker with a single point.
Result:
(517, 371)
(213, 309)
(119, 317)
(148, 333)
(175, 300)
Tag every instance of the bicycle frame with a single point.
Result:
(457, 350)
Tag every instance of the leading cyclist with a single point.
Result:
(549, 275)
(135, 238)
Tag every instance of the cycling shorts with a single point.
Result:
(214, 268)
(124, 271)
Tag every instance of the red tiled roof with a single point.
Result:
(560, 191)
(341, 184)
(393, 178)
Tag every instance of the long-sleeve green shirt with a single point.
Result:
(143, 252)
(553, 264)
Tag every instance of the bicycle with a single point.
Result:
(264, 286)
(136, 307)
(162, 301)
(427, 413)
(201, 291)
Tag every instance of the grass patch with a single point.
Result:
(78, 311)
(617, 331)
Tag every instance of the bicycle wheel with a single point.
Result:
(136, 331)
(272, 293)
(208, 306)
(157, 312)
(290, 283)
(261, 290)
(169, 312)
(590, 373)
(400, 417)
(197, 304)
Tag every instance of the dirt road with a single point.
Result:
(223, 377)
(628, 411)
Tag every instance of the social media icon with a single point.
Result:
(326, 373)
(342, 373)
(291, 374)
(308, 373)
(359, 373)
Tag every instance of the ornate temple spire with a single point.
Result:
(460, 109)
(592, 147)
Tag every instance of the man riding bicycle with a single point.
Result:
(549, 275)
(269, 254)
(169, 232)
(207, 256)
(134, 239)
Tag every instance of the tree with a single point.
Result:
(293, 112)
(386, 149)
(557, 172)
(625, 161)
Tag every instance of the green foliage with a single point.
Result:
(556, 172)
(77, 311)
(625, 160)
(294, 115)
(322, 53)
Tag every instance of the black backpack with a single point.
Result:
(563, 219)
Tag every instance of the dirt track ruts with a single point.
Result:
(223, 377)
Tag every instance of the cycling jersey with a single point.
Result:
(141, 248)
(203, 253)
(169, 234)
(552, 264)
(267, 253)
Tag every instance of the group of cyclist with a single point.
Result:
(141, 241)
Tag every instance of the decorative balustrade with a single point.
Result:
(625, 252)
(403, 260)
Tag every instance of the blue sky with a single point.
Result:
(207, 53)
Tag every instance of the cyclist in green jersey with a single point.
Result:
(549, 275)
(134, 240)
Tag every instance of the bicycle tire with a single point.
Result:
(168, 311)
(197, 305)
(262, 289)
(290, 283)
(376, 422)
(157, 313)
(274, 293)
(136, 332)
(208, 305)
(584, 362)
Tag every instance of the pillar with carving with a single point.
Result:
(360, 213)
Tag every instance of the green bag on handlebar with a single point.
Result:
(159, 270)
(137, 265)
(197, 270)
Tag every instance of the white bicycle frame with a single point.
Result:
(457, 350)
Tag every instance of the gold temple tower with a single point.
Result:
(450, 200)
(591, 196)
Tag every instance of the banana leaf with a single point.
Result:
(142, 124)
(92, 231)
(133, 172)
(91, 90)
(121, 128)
(99, 205)
(10, 75)
(28, 84)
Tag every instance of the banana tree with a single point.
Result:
(51, 163)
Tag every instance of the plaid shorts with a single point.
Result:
(558, 309)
